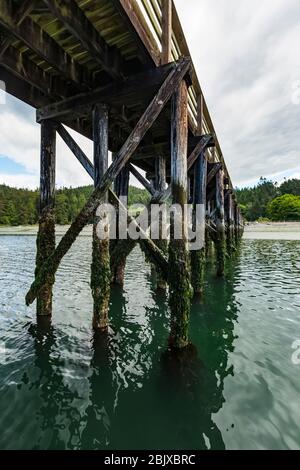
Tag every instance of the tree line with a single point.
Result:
(20, 206)
(265, 200)
(268, 200)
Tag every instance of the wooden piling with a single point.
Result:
(121, 187)
(220, 223)
(160, 186)
(100, 268)
(199, 198)
(230, 235)
(46, 234)
(179, 278)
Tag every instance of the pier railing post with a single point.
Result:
(100, 269)
(199, 198)
(166, 39)
(46, 233)
(220, 223)
(179, 278)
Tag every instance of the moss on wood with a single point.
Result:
(180, 293)
(100, 281)
(198, 270)
(45, 244)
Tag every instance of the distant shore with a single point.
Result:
(272, 231)
(253, 230)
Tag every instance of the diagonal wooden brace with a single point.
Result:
(169, 86)
(159, 198)
(153, 251)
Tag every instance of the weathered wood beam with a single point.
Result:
(200, 114)
(160, 184)
(166, 39)
(146, 121)
(113, 95)
(100, 268)
(43, 45)
(139, 23)
(230, 225)
(220, 223)
(23, 10)
(142, 180)
(216, 167)
(149, 246)
(143, 54)
(179, 277)
(46, 234)
(205, 142)
(161, 197)
(18, 64)
(74, 19)
(164, 148)
(121, 189)
(21, 89)
(199, 199)
(74, 147)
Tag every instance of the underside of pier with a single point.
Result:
(120, 73)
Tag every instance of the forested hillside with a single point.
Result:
(20, 206)
(257, 202)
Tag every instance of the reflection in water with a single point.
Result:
(58, 418)
(64, 387)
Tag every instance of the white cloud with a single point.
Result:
(20, 180)
(247, 59)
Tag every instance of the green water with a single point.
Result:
(63, 388)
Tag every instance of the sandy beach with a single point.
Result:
(253, 231)
(272, 231)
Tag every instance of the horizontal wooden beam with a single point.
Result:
(115, 94)
(164, 148)
(75, 20)
(19, 16)
(43, 45)
(21, 89)
(26, 70)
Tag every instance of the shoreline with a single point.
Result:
(253, 230)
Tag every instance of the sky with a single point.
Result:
(247, 58)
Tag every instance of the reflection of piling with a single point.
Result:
(220, 223)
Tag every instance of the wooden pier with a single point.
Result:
(120, 73)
